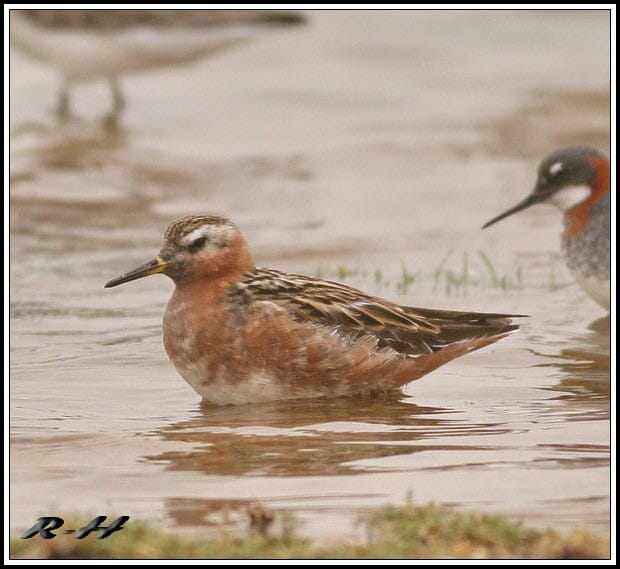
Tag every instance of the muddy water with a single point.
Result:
(368, 146)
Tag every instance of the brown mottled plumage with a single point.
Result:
(240, 334)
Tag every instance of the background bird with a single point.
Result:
(86, 45)
(577, 181)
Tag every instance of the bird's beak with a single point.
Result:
(157, 265)
(532, 199)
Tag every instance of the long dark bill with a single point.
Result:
(157, 265)
(527, 202)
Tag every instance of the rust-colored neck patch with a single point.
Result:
(576, 219)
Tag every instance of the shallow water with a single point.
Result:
(369, 146)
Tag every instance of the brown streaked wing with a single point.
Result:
(351, 311)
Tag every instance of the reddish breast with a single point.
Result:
(194, 310)
(576, 219)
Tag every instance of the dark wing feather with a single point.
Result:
(407, 330)
(458, 326)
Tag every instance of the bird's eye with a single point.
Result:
(196, 245)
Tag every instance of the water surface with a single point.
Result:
(367, 145)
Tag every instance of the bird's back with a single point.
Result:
(408, 331)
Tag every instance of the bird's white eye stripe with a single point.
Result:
(193, 236)
(555, 168)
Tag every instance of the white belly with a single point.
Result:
(598, 289)
(86, 54)
(257, 388)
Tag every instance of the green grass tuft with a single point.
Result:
(458, 279)
(406, 280)
(411, 531)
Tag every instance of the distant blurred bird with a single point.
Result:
(86, 45)
(577, 181)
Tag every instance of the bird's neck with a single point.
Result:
(206, 290)
(576, 218)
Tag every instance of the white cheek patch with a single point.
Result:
(569, 197)
(220, 235)
(555, 168)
